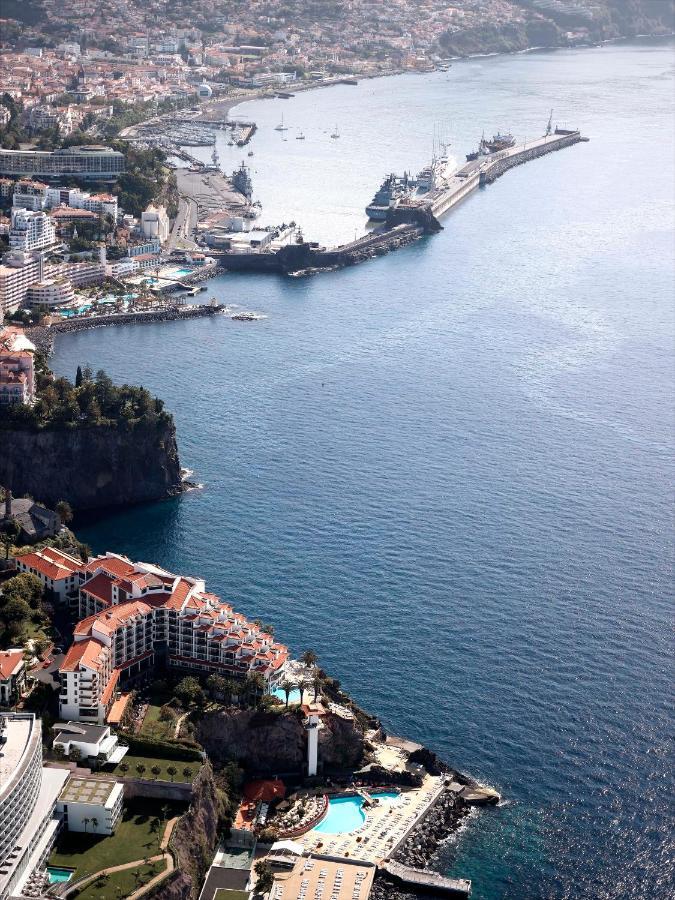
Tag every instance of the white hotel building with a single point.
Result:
(31, 230)
(28, 795)
(137, 617)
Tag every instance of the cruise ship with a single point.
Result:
(390, 193)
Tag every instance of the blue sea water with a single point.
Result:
(450, 470)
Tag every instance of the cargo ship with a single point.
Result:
(486, 147)
(390, 193)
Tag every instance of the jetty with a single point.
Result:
(410, 220)
(420, 879)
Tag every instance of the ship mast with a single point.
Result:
(549, 127)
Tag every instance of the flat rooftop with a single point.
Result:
(17, 730)
(88, 790)
(314, 877)
(79, 731)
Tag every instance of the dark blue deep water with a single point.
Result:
(450, 470)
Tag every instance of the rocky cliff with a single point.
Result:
(275, 742)
(92, 467)
(194, 839)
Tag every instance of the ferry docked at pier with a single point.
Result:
(390, 193)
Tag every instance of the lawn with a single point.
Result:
(229, 894)
(134, 839)
(153, 727)
(150, 761)
(121, 884)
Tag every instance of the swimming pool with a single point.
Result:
(59, 876)
(346, 814)
(293, 697)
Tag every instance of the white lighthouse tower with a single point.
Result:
(314, 712)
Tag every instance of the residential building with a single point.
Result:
(139, 616)
(58, 571)
(155, 224)
(12, 676)
(90, 742)
(31, 230)
(30, 195)
(150, 246)
(28, 795)
(94, 163)
(17, 373)
(36, 522)
(93, 805)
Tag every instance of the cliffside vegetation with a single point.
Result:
(24, 612)
(93, 401)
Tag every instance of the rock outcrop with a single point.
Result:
(92, 467)
(275, 742)
(194, 838)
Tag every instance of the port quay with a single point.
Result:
(409, 221)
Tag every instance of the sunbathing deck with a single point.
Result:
(386, 826)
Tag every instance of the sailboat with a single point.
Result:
(281, 126)
(336, 133)
(300, 137)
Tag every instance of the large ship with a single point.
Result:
(241, 181)
(432, 176)
(486, 147)
(390, 193)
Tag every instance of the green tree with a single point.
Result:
(264, 876)
(124, 768)
(189, 691)
(79, 378)
(140, 768)
(171, 771)
(216, 685)
(64, 511)
(10, 533)
(156, 771)
(187, 773)
(309, 658)
(287, 687)
(255, 686)
(305, 685)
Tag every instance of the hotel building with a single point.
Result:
(28, 795)
(138, 617)
(92, 163)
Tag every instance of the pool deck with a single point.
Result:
(387, 825)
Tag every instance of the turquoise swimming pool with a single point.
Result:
(346, 814)
(293, 697)
(59, 876)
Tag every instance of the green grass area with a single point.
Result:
(229, 894)
(138, 835)
(121, 884)
(153, 727)
(150, 761)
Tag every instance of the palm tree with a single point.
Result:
(156, 770)
(94, 823)
(172, 770)
(124, 768)
(287, 687)
(187, 773)
(140, 768)
(316, 681)
(86, 822)
(255, 685)
(309, 658)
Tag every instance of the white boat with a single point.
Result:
(300, 137)
(335, 134)
(281, 126)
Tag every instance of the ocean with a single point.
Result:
(449, 471)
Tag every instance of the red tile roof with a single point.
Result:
(52, 564)
(10, 662)
(87, 653)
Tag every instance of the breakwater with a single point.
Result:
(43, 335)
(409, 221)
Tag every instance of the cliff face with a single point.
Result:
(269, 743)
(92, 467)
(194, 839)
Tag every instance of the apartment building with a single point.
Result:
(58, 571)
(137, 617)
(92, 805)
(31, 230)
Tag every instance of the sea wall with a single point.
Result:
(92, 467)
